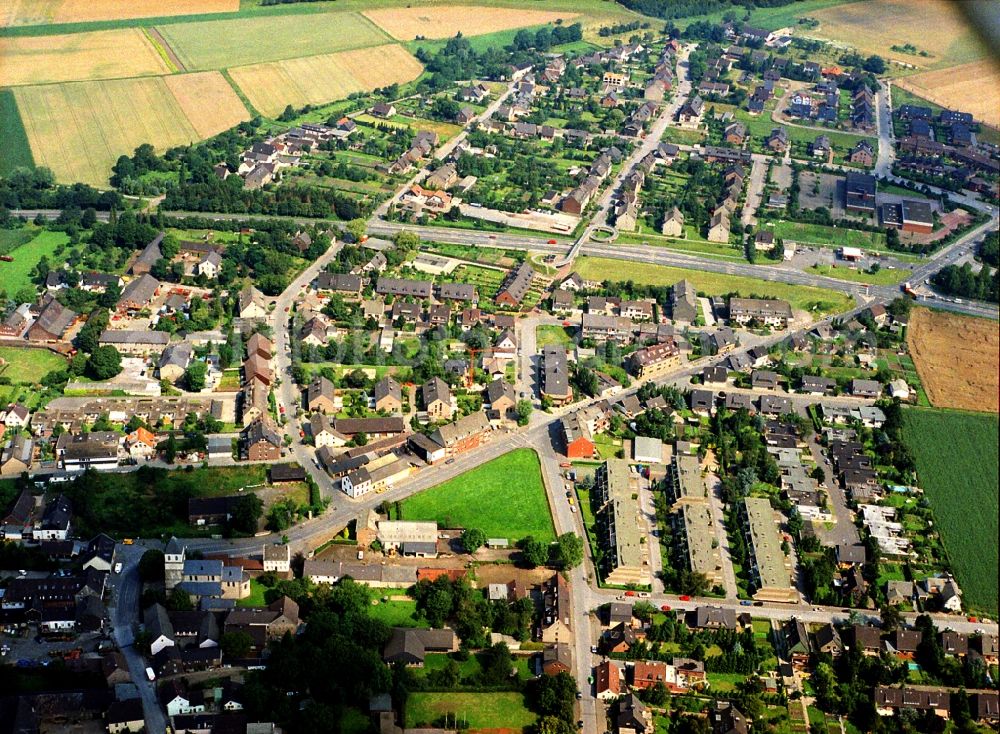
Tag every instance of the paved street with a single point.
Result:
(755, 190)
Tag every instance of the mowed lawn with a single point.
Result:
(17, 274)
(216, 44)
(957, 465)
(819, 234)
(504, 498)
(504, 710)
(21, 364)
(817, 300)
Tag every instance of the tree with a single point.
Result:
(179, 601)
(356, 228)
(524, 409)
(818, 474)
(105, 362)
(890, 617)
(194, 376)
(569, 550)
(473, 539)
(151, 566)
(535, 552)
(236, 644)
(552, 695)
(245, 513)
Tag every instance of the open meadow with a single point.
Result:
(956, 358)
(957, 465)
(317, 79)
(23, 364)
(807, 298)
(504, 498)
(78, 56)
(971, 87)
(34, 12)
(874, 26)
(215, 44)
(114, 117)
(444, 21)
(16, 274)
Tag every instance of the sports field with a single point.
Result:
(79, 129)
(215, 44)
(444, 21)
(17, 274)
(802, 297)
(504, 498)
(34, 12)
(956, 358)
(22, 364)
(956, 455)
(873, 26)
(971, 88)
(78, 56)
(318, 79)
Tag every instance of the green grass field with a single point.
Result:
(16, 275)
(957, 464)
(15, 151)
(882, 277)
(11, 239)
(215, 44)
(256, 598)
(819, 234)
(479, 710)
(504, 498)
(819, 300)
(29, 365)
(551, 334)
(397, 613)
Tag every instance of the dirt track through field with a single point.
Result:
(160, 41)
(957, 358)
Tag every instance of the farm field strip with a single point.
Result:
(444, 21)
(16, 150)
(78, 57)
(208, 101)
(971, 87)
(956, 358)
(324, 78)
(34, 12)
(957, 464)
(875, 25)
(115, 116)
(214, 44)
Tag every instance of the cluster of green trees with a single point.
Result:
(565, 553)
(962, 280)
(35, 188)
(470, 613)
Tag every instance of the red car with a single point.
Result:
(973, 619)
(685, 597)
(552, 242)
(665, 608)
(629, 593)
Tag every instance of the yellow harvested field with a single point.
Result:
(935, 26)
(444, 21)
(79, 129)
(78, 57)
(971, 88)
(956, 357)
(35, 12)
(317, 79)
(208, 101)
